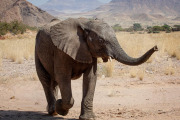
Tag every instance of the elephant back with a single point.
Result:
(46, 28)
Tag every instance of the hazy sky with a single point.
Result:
(40, 2)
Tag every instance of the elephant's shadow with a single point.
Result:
(28, 115)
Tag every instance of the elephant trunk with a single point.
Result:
(122, 57)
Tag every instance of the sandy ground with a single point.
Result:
(156, 97)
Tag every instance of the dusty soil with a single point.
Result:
(156, 97)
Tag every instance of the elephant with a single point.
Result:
(66, 50)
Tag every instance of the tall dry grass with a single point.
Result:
(169, 68)
(109, 66)
(0, 58)
(136, 45)
(18, 48)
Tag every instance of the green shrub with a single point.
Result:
(137, 27)
(14, 27)
(157, 28)
(166, 28)
(178, 26)
(4, 28)
(117, 28)
(17, 27)
(149, 29)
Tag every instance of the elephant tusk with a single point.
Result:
(110, 59)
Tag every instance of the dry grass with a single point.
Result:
(34, 77)
(0, 57)
(169, 69)
(137, 72)
(109, 67)
(133, 72)
(136, 45)
(141, 74)
(99, 60)
(18, 48)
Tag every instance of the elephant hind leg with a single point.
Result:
(49, 86)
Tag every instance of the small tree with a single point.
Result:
(166, 28)
(137, 27)
(157, 29)
(149, 29)
(17, 27)
(4, 28)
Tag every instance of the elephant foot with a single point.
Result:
(54, 113)
(51, 110)
(59, 108)
(87, 116)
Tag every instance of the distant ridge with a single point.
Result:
(70, 6)
(139, 10)
(163, 7)
(127, 12)
(22, 10)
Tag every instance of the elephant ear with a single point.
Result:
(69, 37)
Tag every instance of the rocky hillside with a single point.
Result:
(161, 7)
(139, 10)
(127, 12)
(70, 6)
(23, 11)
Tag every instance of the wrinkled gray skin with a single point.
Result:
(67, 49)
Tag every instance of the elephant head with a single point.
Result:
(83, 39)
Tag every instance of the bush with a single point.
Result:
(176, 28)
(166, 28)
(4, 28)
(149, 30)
(14, 27)
(117, 28)
(130, 29)
(157, 29)
(17, 27)
(137, 27)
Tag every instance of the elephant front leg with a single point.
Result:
(89, 83)
(63, 105)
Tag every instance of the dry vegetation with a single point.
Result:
(139, 92)
(20, 47)
(137, 44)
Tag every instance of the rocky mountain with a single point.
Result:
(139, 10)
(162, 7)
(23, 11)
(128, 12)
(70, 6)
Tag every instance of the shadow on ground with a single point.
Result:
(28, 115)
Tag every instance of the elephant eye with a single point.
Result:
(101, 40)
